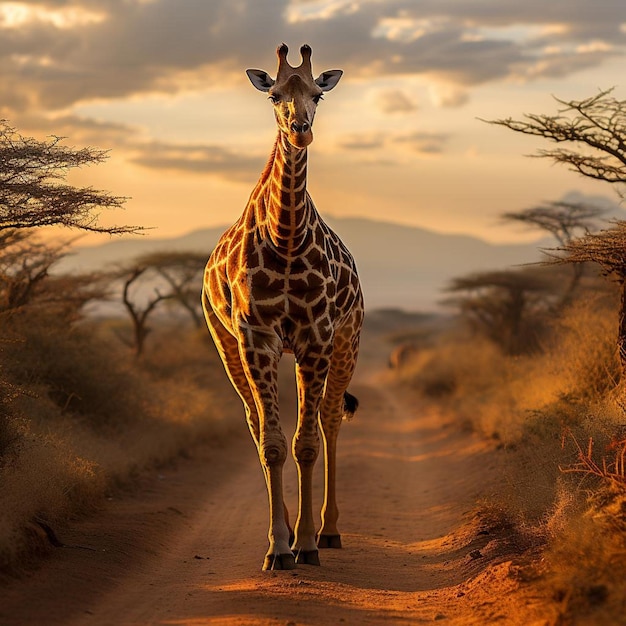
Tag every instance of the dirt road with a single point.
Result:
(187, 546)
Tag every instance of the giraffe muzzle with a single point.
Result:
(300, 128)
(300, 135)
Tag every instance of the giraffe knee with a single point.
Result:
(306, 452)
(273, 453)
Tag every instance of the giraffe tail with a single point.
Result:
(350, 405)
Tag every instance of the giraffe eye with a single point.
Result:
(274, 98)
(317, 98)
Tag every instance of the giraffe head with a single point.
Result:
(295, 94)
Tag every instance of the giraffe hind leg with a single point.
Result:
(350, 405)
(328, 541)
(337, 405)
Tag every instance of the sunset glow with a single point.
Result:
(162, 85)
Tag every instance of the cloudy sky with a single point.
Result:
(161, 83)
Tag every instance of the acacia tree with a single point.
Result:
(158, 276)
(34, 191)
(182, 272)
(26, 280)
(596, 126)
(139, 307)
(564, 221)
(503, 305)
(24, 264)
(607, 248)
(33, 194)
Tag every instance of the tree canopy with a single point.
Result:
(563, 220)
(596, 126)
(34, 191)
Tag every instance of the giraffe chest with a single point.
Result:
(294, 289)
(249, 283)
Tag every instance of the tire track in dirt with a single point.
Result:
(187, 548)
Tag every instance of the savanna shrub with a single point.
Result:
(82, 374)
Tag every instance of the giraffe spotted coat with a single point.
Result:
(280, 280)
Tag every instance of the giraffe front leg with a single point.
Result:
(273, 453)
(311, 376)
(260, 352)
(228, 348)
(279, 554)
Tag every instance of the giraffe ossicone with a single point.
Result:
(280, 280)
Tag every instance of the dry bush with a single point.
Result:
(482, 386)
(609, 465)
(584, 352)
(557, 490)
(11, 422)
(80, 375)
(511, 397)
(525, 402)
(181, 350)
(453, 365)
(80, 418)
(586, 558)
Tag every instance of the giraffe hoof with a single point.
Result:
(279, 561)
(307, 557)
(329, 541)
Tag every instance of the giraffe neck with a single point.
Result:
(286, 207)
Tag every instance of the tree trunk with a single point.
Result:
(141, 332)
(568, 296)
(195, 316)
(621, 336)
(514, 315)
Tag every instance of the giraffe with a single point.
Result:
(280, 280)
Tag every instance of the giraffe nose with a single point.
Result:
(300, 128)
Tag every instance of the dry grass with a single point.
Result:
(560, 421)
(80, 416)
(586, 557)
(500, 395)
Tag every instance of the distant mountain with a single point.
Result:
(408, 267)
(400, 266)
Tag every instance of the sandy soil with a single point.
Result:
(186, 546)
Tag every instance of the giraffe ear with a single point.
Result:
(260, 79)
(329, 79)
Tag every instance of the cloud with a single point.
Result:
(83, 131)
(447, 95)
(319, 10)
(362, 141)
(68, 52)
(393, 101)
(422, 142)
(559, 64)
(15, 15)
(198, 159)
(131, 143)
(419, 142)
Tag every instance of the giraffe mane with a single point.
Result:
(270, 162)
